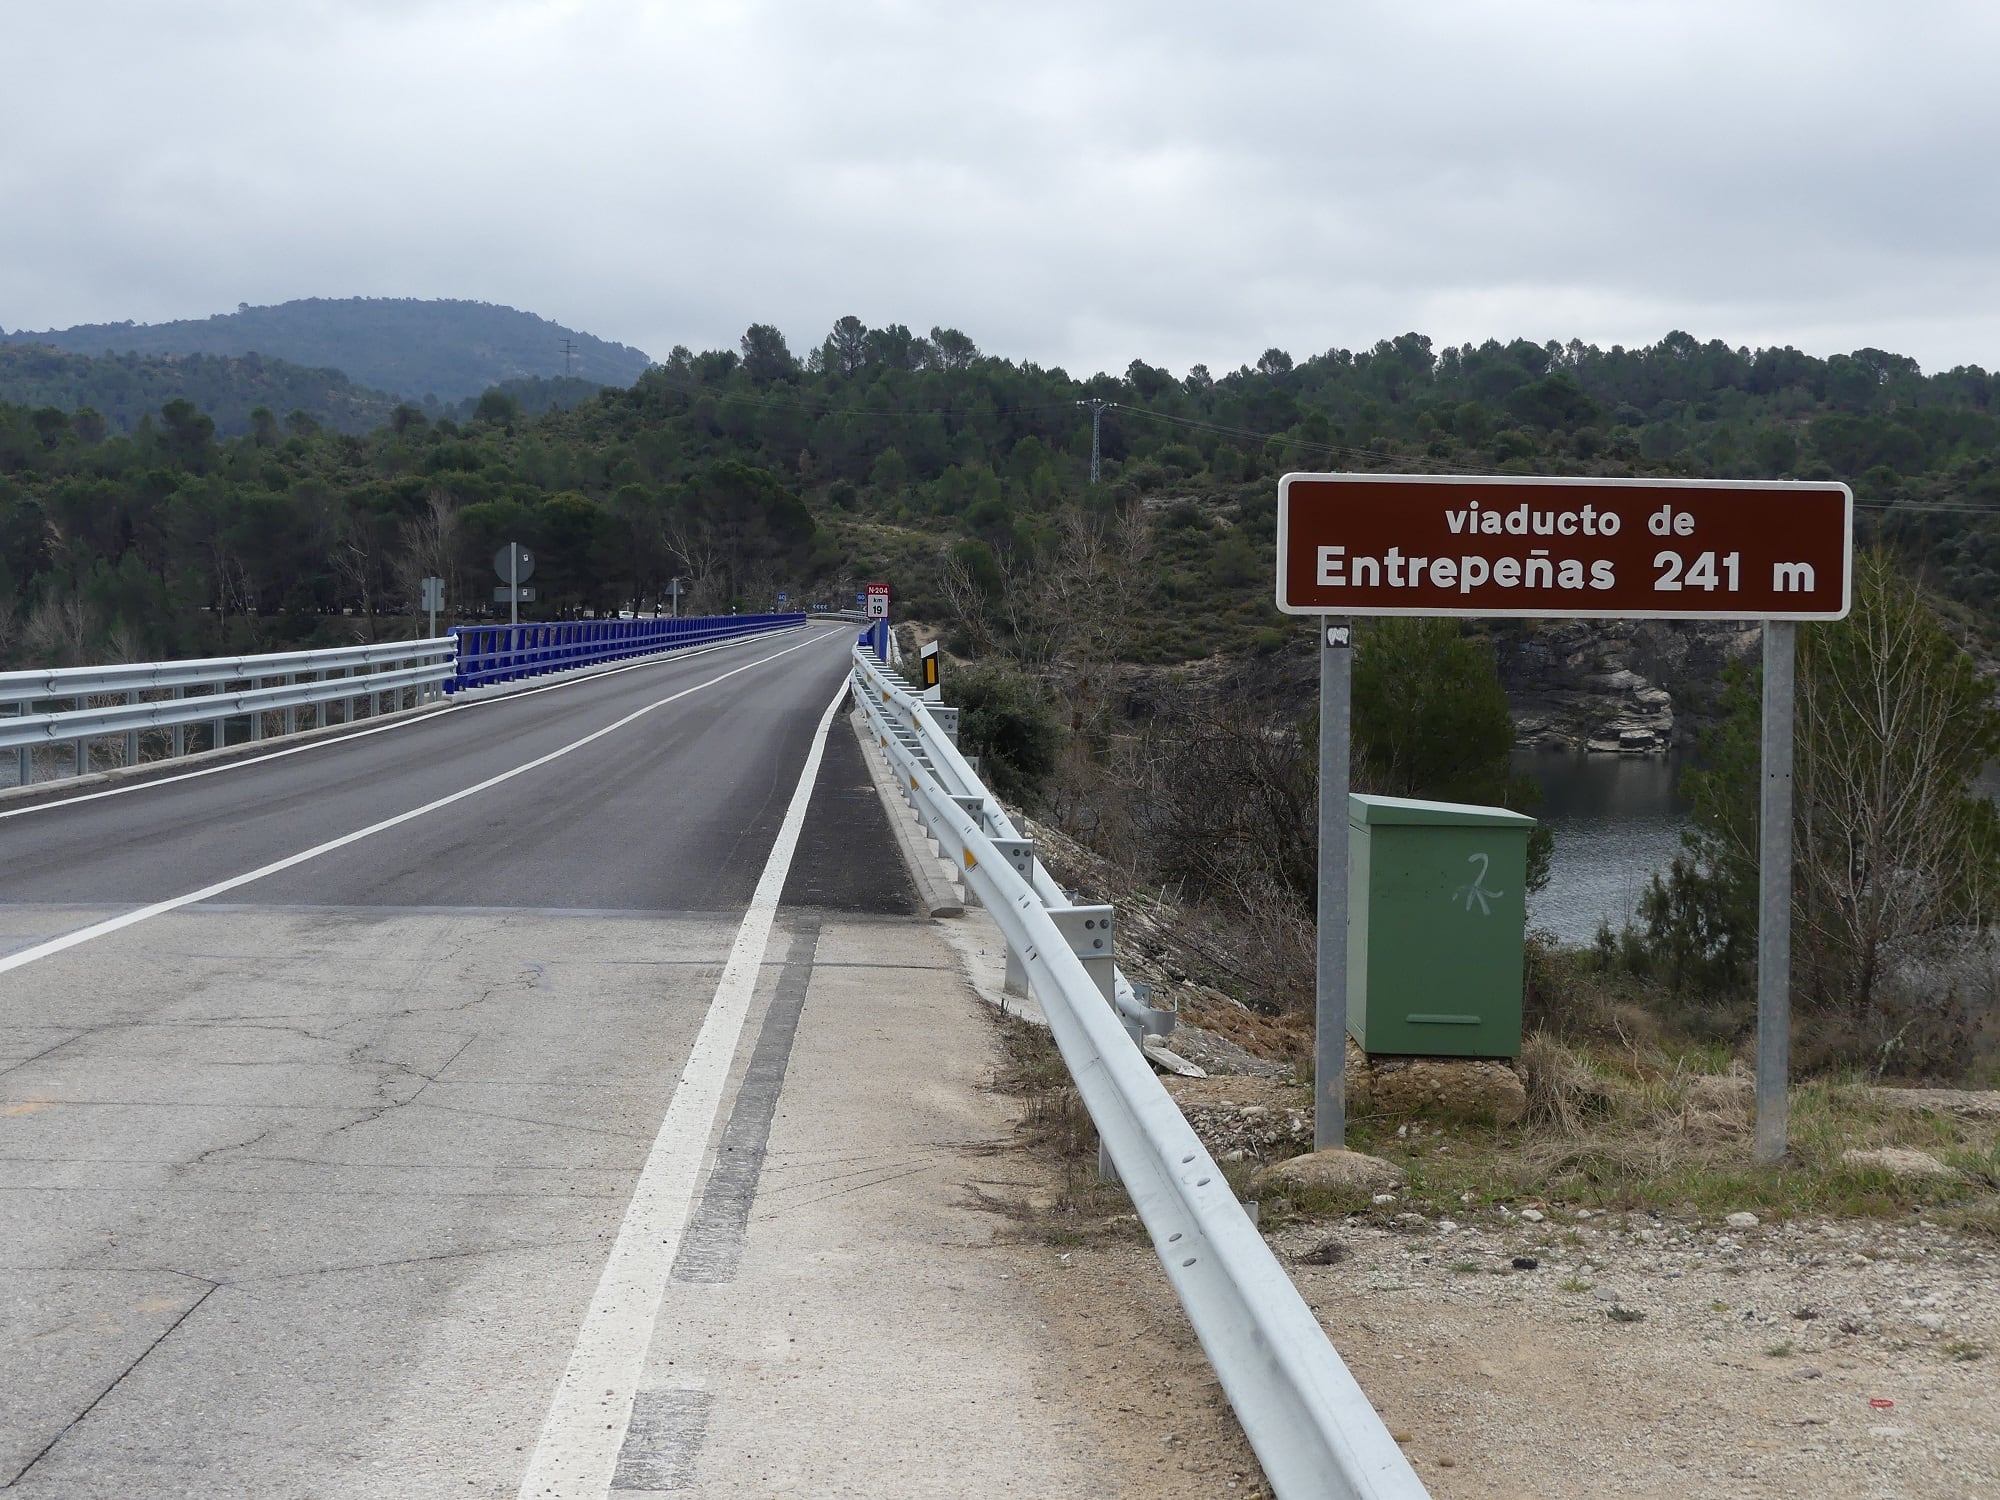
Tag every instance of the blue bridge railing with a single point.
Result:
(505, 653)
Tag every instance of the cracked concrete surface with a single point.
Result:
(393, 1201)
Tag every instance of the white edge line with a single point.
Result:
(577, 1453)
(25, 956)
(148, 783)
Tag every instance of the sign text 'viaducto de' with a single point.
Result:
(1425, 544)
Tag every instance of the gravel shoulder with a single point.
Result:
(1649, 1358)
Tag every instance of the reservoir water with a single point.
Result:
(1616, 819)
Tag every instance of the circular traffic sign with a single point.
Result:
(514, 563)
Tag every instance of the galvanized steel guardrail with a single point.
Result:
(173, 695)
(507, 653)
(68, 705)
(1312, 1428)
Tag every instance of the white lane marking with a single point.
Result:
(577, 1453)
(665, 659)
(174, 903)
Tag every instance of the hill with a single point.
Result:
(125, 389)
(445, 348)
(962, 477)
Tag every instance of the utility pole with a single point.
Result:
(1096, 431)
(569, 348)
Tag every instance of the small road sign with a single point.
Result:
(878, 601)
(1423, 544)
(514, 563)
(505, 595)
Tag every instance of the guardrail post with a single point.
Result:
(83, 755)
(976, 807)
(1087, 930)
(256, 716)
(1020, 853)
(946, 720)
(24, 766)
(132, 735)
(180, 730)
(291, 710)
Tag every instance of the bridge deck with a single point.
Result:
(305, 1187)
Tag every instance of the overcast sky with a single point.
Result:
(1077, 184)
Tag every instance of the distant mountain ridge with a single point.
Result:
(450, 348)
(125, 389)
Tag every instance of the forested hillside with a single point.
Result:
(127, 389)
(414, 348)
(963, 477)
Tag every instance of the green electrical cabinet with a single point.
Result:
(1437, 918)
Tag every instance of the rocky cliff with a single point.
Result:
(1631, 687)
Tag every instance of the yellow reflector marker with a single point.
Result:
(969, 860)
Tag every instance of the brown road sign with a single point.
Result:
(1698, 549)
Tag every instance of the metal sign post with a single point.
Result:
(1650, 549)
(1774, 897)
(1336, 692)
(433, 601)
(516, 565)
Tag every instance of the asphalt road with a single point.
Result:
(672, 812)
(305, 1186)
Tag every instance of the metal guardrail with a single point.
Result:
(508, 653)
(1312, 1428)
(173, 695)
(57, 706)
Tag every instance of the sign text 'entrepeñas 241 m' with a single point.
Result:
(1420, 544)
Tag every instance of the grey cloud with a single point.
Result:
(1075, 185)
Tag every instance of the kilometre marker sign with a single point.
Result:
(1423, 544)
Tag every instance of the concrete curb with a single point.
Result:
(935, 893)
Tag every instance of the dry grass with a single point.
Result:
(1054, 1125)
(1636, 1127)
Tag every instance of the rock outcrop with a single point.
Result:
(1619, 687)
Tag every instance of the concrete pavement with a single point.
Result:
(305, 1187)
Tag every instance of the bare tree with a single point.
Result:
(355, 563)
(701, 559)
(1891, 848)
(61, 629)
(966, 600)
(430, 547)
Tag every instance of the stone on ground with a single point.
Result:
(1898, 1161)
(1335, 1169)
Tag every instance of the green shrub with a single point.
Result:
(1008, 723)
